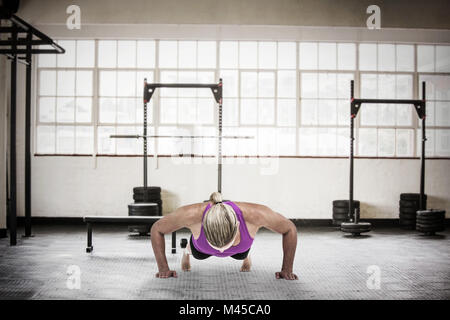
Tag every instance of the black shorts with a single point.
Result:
(202, 256)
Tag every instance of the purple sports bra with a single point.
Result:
(244, 244)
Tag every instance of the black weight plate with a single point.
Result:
(411, 196)
(430, 229)
(404, 216)
(142, 229)
(408, 203)
(141, 190)
(421, 220)
(356, 226)
(430, 225)
(409, 210)
(338, 210)
(345, 203)
(149, 198)
(340, 216)
(431, 212)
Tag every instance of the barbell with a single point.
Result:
(137, 136)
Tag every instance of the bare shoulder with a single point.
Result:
(191, 213)
(254, 213)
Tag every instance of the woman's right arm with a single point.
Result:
(181, 217)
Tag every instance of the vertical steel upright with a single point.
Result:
(28, 137)
(352, 138)
(219, 144)
(422, 156)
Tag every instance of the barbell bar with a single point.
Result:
(137, 136)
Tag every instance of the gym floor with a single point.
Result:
(329, 265)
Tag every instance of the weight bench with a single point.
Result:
(90, 220)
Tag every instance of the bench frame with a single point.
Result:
(123, 220)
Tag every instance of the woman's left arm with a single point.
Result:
(276, 222)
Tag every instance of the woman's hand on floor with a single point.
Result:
(167, 274)
(286, 275)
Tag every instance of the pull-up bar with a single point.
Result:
(420, 107)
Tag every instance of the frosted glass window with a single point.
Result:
(230, 112)
(46, 60)
(308, 55)
(386, 142)
(443, 143)
(346, 56)
(187, 111)
(230, 81)
(84, 140)
(248, 54)
(307, 140)
(145, 54)
(229, 54)
(386, 86)
(266, 84)
(85, 53)
(287, 55)
(309, 85)
(205, 111)
(287, 83)
(327, 85)
(83, 83)
(369, 114)
(107, 110)
(425, 58)
(442, 58)
(343, 85)
(286, 112)
(405, 57)
(206, 54)
(442, 113)
(343, 112)
(267, 55)
(249, 111)
(106, 145)
(108, 83)
(168, 53)
(404, 87)
(65, 110)
(326, 144)
(368, 57)
(286, 141)
(126, 110)
(83, 109)
(309, 112)
(66, 60)
(47, 83)
(126, 54)
(46, 139)
(369, 85)
(327, 56)
(65, 139)
(266, 111)
(47, 109)
(168, 112)
(126, 83)
(66, 83)
(404, 114)
(249, 84)
(386, 57)
(327, 112)
(367, 142)
(187, 57)
(404, 143)
(342, 142)
(107, 54)
(267, 141)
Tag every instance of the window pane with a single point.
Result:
(169, 77)
(429, 145)
(346, 56)
(205, 110)
(188, 54)
(425, 58)
(66, 60)
(83, 109)
(267, 55)
(386, 57)
(327, 112)
(47, 83)
(266, 84)
(126, 83)
(126, 54)
(308, 55)
(145, 54)
(249, 111)
(248, 54)
(249, 84)
(45, 139)
(368, 57)
(267, 141)
(369, 115)
(84, 83)
(442, 58)
(404, 114)
(229, 54)
(343, 85)
(309, 114)
(187, 110)
(168, 113)
(230, 81)
(286, 55)
(205, 77)
(405, 57)
(46, 60)
(286, 139)
(327, 56)
(187, 77)
(326, 142)
(206, 54)
(287, 83)
(442, 113)
(307, 139)
(286, 113)
(343, 146)
(47, 110)
(230, 112)
(105, 144)
(369, 86)
(168, 52)
(327, 85)
(107, 54)
(404, 143)
(343, 112)
(107, 83)
(126, 110)
(66, 83)
(404, 87)
(126, 146)
(386, 86)
(85, 53)
(386, 142)
(443, 143)
(266, 111)
(107, 112)
(140, 76)
(367, 142)
(65, 139)
(65, 110)
(84, 141)
(309, 85)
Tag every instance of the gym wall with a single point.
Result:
(303, 187)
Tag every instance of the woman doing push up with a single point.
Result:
(223, 229)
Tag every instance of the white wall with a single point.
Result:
(299, 188)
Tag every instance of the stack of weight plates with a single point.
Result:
(341, 211)
(149, 194)
(142, 209)
(430, 221)
(409, 204)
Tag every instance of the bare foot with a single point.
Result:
(185, 263)
(246, 265)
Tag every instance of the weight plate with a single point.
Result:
(356, 226)
(408, 211)
(149, 198)
(408, 203)
(345, 203)
(340, 217)
(411, 196)
(141, 190)
(337, 210)
(431, 212)
(430, 225)
(403, 216)
(430, 229)
(427, 221)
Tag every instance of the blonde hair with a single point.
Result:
(220, 222)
